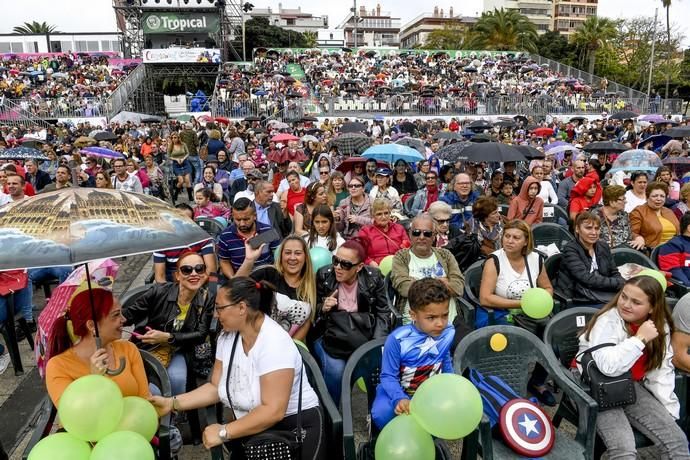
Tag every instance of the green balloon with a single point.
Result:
(657, 275)
(361, 384)
(536, 303)
(386, 265)
(91, 407)
(403, 439)
(123, 445)
(320, 257)
(60, 446)
(447, 406)
(139, 416)
(299, 343)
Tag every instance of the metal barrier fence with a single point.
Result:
(64, 107)
(14, 115)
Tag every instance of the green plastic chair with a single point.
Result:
(365, 363)
(547, 233)
(513, 366)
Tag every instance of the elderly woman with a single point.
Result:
(382, 189)
(683, 204)
(487, 224)
(615, 223)
(74, 352)
(354, 211)
(588, 273)
(171, 318)
(384, 237)
(258, 374)
(655, 223)
(426, 195)
(441, 212)
(347, 287)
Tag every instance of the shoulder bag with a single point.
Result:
(608, 392)
(270, 444)
(535, 326)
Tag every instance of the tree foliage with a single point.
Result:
(503, 30)
(30, 28)
(553, 45)
(595, 34)
(260, 33)
(451, 37)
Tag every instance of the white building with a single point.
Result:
(60, 42)
(290, 18)
(416, 32)
(539, 12)
(375, 28)
(330, 38)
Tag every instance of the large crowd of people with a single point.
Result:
(72, 84)
(296, 187)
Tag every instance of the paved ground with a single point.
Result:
(20, 395)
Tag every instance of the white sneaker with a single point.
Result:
(4, 362)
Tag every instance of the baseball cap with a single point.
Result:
(384, 172)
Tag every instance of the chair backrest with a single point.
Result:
(128, 298)
(407, 206)
(473, 279)
(503, 209)
(546, 233)
(156, 373)
(623, 256)
(563, 330)
(512, 364)
(212, 226)
(554, 214)
(655, 254)
(552, 265)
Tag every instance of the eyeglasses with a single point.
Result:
(187, 270)
(220, 308)
(355, 186)
(442, 221)
(430, 177)
(427, 233)
(324, 173)
(345, 264)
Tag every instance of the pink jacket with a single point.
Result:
(380, 244)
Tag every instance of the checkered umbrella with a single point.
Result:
(351, 143)
(453, 152)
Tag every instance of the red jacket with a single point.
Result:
(380, 244)
(578, 201)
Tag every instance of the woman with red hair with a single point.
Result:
(74, 353)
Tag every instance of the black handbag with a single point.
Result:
(608, 392)
(345, 332)
(270, 444)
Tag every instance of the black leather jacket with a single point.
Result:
(371, 297)
(157, 308)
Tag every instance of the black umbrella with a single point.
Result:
(150, 120)
(605, 146)
(453, 152)
(506, 124)
(408, 127)
(482, 138)
(105, 136)
(480, 124)
(412, 142)
(309, 119)
(353, 127)
(492, 152)
(579, 118)
(624, 115)
(521, 119)
(252, 118)
(530, 152)
(314, 131)
(678, 133)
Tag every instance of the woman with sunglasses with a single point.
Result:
(383, 237)
(316, 195)
(172, 318)
(354, 211)
(103, 180)
(426, 195)
(348, 286)
(258, 373)
(182, 168)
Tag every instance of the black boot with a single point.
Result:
(189, 194)
(19, 331)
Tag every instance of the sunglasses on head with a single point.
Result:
(426, 233)
(187, 270)
(345, 264)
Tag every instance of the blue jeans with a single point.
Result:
(177, 371)
(332, 369)
(37, 275)
(22, 303)
(197, 167)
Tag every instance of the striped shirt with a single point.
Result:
(231, 246)
(169, 258)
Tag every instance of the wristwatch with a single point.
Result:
(642, 339)
(223, 434)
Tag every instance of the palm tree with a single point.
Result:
(667, 5)
(310, 39)
(33, 28)
(503, 30)
(593, 35)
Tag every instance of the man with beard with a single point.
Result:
(251, 178)
(568, 183)
(231, 243)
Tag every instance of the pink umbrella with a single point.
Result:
(284, 137)
(57, 305)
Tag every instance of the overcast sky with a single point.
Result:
(98, 15)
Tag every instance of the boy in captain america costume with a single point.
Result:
(414, 352)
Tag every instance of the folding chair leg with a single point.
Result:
(27, 332)
(12, 345)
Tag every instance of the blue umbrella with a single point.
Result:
(636, 160)
(22, 153)
(657, 141)
(102, 153)
(393, 152)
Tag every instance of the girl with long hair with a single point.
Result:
(323, 233)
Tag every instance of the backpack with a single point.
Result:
(495, 394)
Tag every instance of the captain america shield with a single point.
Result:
(526, 428)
